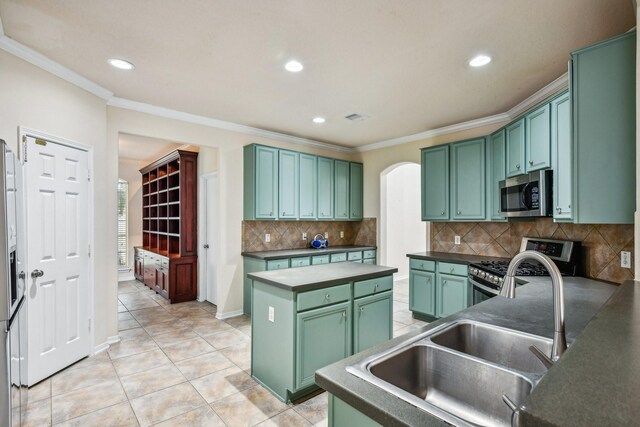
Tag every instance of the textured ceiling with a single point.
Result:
(401, 62)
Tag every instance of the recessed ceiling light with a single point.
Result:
(293, 66)
(480, 60)
(121, 64)
(319, 120)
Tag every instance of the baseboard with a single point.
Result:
(404, 277)
(105, 345)
(223, 316)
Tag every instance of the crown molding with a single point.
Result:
(549, 90)
(168, 113)
(21, 51)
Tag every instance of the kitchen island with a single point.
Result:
(309, 317)
(532, 312)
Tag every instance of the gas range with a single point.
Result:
(487, 276)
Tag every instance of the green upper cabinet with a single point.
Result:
(496, 173)
(538, 138)
(355, 190)
(603, 91)
(288, 184)
(260, 182)
(308, 195)
(515, 148)
(561, 143)
(325, 188)
(341, 189)
(435, 183)
(468, 180)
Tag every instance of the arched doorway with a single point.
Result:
(401, 228)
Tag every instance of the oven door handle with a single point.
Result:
(483, 287)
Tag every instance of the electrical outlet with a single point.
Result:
(304, 236)
(456, 240)
(625, 259)
(272, 314)
(326, 235)
(342, 234)
(267, 238)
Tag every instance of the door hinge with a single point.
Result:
(89, 324)
(24, 148)
(89, 252)
(88, 174)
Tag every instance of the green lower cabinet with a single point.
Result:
(372, 320)
(452, 293)
(422, 292)
(323, 337)
(369, 261)
(342, 414)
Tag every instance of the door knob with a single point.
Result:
(22, 275)
(37, 273)
(206, 246)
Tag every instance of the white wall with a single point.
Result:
(129, 170)
(40, 101)
(402, 230)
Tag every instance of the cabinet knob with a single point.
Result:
(518, 166)
(270, 213)
(283, 213)
(327, 296)
(344, 314)
(459, 212)
(375, 287)
(530, 162)
(361, 309)
(569, 206)
(444, 282)
(559, 209)
(442, 213)
(344, 213)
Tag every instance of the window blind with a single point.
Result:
(123, 210)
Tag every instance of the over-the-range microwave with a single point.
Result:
(527, 195)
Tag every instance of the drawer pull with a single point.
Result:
(451, 271)
(375, 287)
(361, 309)
(327, 296)
(344, 314)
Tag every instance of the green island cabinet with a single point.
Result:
(342, 414)
(437, 289)
(290, 185)
(254, 265)
(296, 333)
(603, 99)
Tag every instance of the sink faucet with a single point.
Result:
(509, 290)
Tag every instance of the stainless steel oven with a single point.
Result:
(527, 195)
(482, 292)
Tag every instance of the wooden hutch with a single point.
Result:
(167, 262)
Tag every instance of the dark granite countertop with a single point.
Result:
(449, 257)
(287, 253)
(531, 311)
(320, 276)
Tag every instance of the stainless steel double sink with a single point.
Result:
(460, 371)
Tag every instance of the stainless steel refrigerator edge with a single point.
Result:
(12, 301)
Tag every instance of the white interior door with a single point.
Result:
(211, 183)
(57, 206)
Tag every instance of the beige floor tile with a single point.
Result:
(288, 418)
(149, 316)
(40, 391)
(226, 339)
(133, 335)
(140, 303)
(120, 415)
(121, 308)
(201, 417)
(187, 349)
(38, 414)
(96, 359)
(402, 331)
(210, 308)
(175, 336)
(245, 330)
(140, 362)
(248, 407)
(166, 404)
(240, 354)
(165, 327)
(404, 317)
(401, 298)
(85, 400)
(125, 316)
(128, 348)
(400, 306)
(69, 380)
(398, 325)
(223, 383)
(152, 380)
(209, 326)
(315, 410)
(123, 325)
(239, 321)
(205, 364)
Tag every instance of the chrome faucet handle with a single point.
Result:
(546, 361)
(509, 403)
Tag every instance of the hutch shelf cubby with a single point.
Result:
(167, 261)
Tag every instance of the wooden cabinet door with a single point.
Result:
(288, 185)
(355, 190)
(325, 188)
(452, 293)
(266, 185)
(150, 276)
(538, 139)
(163, 282)
(341, 192)
(515, 148)
(435, 183)
(308, 186)
(468, 180)
(561, 143)
(422, 292)
(323, 336)
(372, 321)
(496, 172)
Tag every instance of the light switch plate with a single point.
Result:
(267, 238)
(271, 314)
(304, 236)
(625, 259)
(326, 235)
(342, 234)
(456, 240)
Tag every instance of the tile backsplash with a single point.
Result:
(288, 234)
(601, 244)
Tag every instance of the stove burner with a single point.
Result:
(524, 269)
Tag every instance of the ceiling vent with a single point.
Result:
(356, 117)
